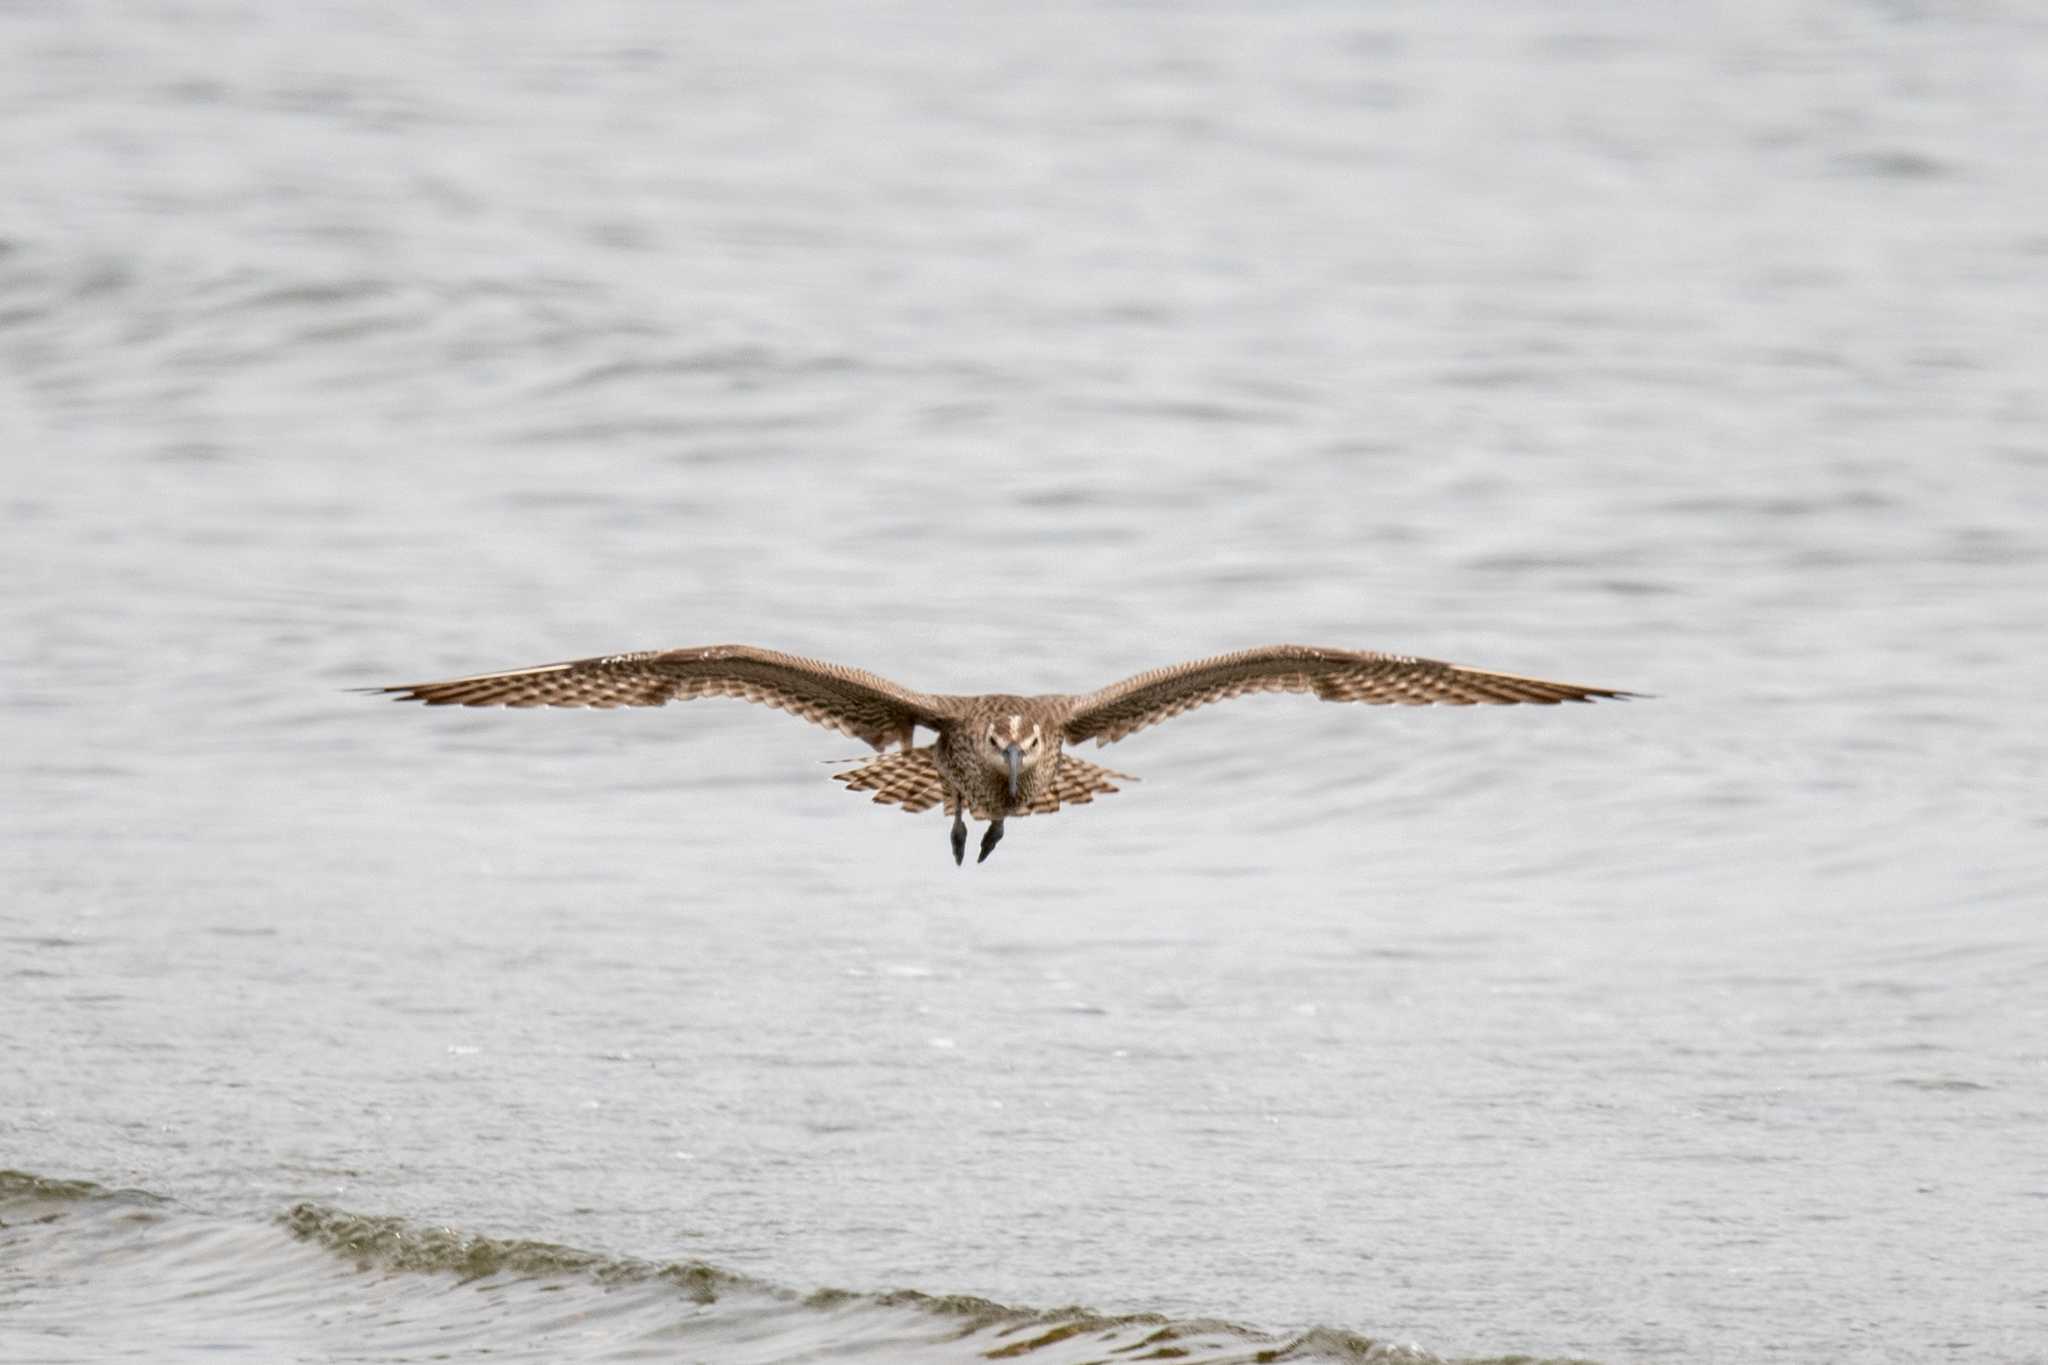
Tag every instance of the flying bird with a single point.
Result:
(996, 755)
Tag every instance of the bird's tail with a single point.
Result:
(911, 780)
(1078, 782)
(908, 779)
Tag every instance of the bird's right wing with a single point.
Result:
(849, 700)
(1126, 707)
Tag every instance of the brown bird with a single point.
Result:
(996, 755)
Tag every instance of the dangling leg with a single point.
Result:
(959, 831)
(990, 838)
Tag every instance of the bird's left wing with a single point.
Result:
(849, 700)
(1126, 707)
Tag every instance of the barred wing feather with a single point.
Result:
(1129, 706)
(849, 700)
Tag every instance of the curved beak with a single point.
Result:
(1015, 754)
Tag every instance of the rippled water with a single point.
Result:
(1023, 348)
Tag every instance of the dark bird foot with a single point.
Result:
(989, 840)
(960, 840)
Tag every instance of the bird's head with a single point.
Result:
(1013, 746)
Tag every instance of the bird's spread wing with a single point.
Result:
(849, 700)
(1332, 674)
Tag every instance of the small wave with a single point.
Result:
(19, 1189)
(416, 1291)
(394, 1244)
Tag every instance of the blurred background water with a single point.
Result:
(1692, 349)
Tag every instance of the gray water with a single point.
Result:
(1685, 349)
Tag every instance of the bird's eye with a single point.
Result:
(994, 743)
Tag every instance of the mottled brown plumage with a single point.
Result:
(912, 780)
(996, 755)
(849, 700)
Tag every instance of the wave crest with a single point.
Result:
(261, 1280)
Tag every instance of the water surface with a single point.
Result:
(1015, 348)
